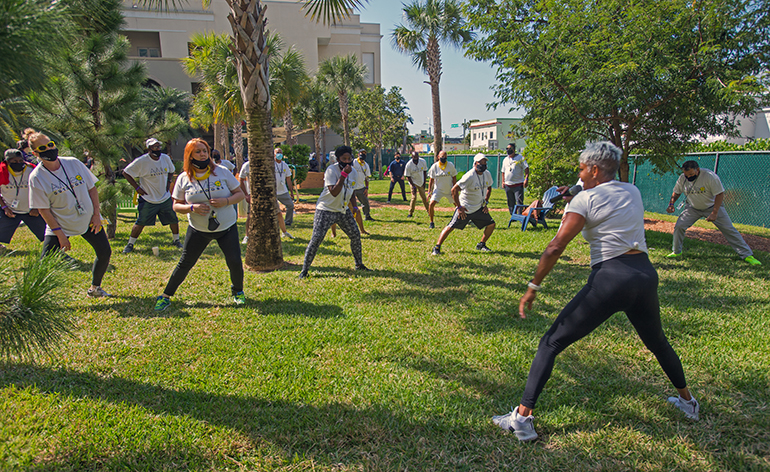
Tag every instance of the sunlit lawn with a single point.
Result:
(397, 369)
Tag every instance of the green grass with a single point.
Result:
(399, 369)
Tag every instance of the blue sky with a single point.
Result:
(465, 83)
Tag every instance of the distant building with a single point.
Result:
(161, 39)
(751, 128)
(494, 134)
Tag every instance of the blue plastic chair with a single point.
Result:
(542, 211)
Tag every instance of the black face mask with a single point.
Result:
(480, 168)
(155, 153)
(17, 166)
(693, 178)
(49, 154)
(201, 164)
(509, 151)
(442, 159)
(343, 164)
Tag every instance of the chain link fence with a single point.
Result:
(462, 162)
(745, 176)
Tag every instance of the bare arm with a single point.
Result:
(134, 184)
(674, 198)
(50, 220)
(717, 204)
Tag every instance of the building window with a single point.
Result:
(196, 87)
(474, 136)
(149, 52)
(368, 60)
(491, 135)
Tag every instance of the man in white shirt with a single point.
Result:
(361, 191)
(284, 188)
(443, 176)
(704, 194)
(471, 194)
(515, 177)
(416, 172)
(151, 174)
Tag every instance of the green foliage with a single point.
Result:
(379, 116)
(298, 158)
(33, 316)
(109, 194)
(719, 146)
(647, 76)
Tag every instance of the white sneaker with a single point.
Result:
(288, 235)
(522, 426)
(690, 408)
(245, 240)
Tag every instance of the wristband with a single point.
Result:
(344, 174)
(533, 286)
(191, 208)
(3, 207)
(55, 229)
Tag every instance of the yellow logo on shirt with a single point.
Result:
(218, 183)
(78, 177)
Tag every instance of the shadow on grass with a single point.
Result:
(283, 307)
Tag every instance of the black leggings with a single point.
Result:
(195, 242)
(626, 283)
(101, 247)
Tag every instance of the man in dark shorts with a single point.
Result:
(151, 174)
(470, 196)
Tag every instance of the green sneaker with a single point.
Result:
(674, 255)
(753, 261)
(240, 298)
(161, 303)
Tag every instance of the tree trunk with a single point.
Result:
(344, 112)
(433, 66)
(217, 137)
(288, 125)
(319, 156)
(238, 143)
(224, 135)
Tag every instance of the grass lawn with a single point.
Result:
(398, 369)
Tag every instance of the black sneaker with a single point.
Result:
(177, 243)
(302, 275)
(363, 268)
(436, 251)
(369, 218)
(482, 247)
(128, 249)
(431, 225)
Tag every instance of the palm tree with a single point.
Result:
(318, 108)
(288, 80)
(247, 19)
(427, 26)
(344, 75)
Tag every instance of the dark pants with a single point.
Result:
(515, 195)
(322, 221)
(101, 247)
(393, 184)
(626, 283)
(8, 226)
(195, 242)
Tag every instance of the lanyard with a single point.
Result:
(481, 187)
(15, 182)
(208, 184)
(67, 183)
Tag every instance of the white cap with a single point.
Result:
(150, 142)
(478, 157)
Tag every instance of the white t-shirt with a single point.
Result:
(363, 171)
(244, 175)
(152, 176)
(474, 189)
(219, 185)
(442, 179)
(54, 190)
(282, 171)
(415, 171)
(227, 165)
(513, 169)
(700, 194)
(614, 216)
(17, 190)
(337, 204)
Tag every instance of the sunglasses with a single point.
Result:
(50, 145)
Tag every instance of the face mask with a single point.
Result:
(509, 151)
(361, 157)
(201, 164)
(17, 166)
(155, 153)
(279, 157)
(442, 159)
(480, 168)
(49, 154)
(343, 164)
(692, 179)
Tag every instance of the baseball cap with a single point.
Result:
(478, 157)
(9, 153)
(151, 142)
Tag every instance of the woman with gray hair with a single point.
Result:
(610, 215)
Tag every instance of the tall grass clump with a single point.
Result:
(32, 316)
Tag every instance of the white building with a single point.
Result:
(494, 134)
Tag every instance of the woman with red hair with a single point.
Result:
(206, 193)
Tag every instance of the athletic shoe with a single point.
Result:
(245, 240)
(240, 298)
(288, 235)
(522, 426)
(128, 249)
(436, 251)
(753, 261)
(363, 268)
(674, 255)
(177, 243)
(690, 408)
(482, 247)
(388, 201)
(302, 275)
(409, 215)
(161, 303)
(431, 225)
(97, 292)
(369, 218)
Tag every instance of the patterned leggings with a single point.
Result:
(324, 220)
